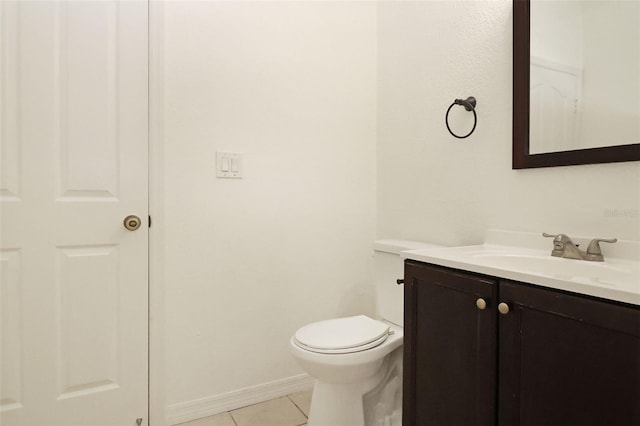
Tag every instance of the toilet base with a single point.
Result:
(344, 404)
(337, 404)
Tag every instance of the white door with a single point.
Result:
(74, 164)
(554, 102)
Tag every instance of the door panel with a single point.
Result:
(88, 289)
(74, 164)
(10, 314)
(87, 99)
(554, 106)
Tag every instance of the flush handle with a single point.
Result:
(503, 308)
(132, 222)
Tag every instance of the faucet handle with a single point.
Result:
(594, 253)
(562, 238)
(559, 242)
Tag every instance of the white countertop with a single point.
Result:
(526, 257)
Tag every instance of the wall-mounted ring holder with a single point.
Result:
(470, 105)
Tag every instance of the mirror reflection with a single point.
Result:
(584, 74)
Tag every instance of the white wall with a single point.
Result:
(610, 106)
(556, 34)
(295, 86)
(602, 40)
(432, 186)
(292, 85)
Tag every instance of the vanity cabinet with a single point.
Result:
(546, 358)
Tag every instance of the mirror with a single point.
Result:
(576, 84)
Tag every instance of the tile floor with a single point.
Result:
(290, 410)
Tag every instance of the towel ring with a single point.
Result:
(470, 105)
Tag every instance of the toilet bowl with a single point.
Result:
(356, 361)
(344, 376)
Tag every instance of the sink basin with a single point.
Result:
(526, 257)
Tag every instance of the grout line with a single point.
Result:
(235, 422)
(299, 409)
(232, 418)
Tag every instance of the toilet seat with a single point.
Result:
(342, 335)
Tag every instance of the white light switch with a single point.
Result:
(229, 165)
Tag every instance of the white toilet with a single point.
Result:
(357, 361)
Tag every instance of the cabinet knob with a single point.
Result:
(481, 303)
(503, 308)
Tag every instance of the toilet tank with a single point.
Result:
(389, 267)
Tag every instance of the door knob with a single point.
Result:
(132, 222)
(503, 308)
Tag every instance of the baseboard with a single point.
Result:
(210, 405)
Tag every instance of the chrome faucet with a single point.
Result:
(564, 247)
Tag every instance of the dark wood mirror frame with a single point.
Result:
(521, 157)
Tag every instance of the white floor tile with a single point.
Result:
(222, 419)
(277, 412)
(303, 400)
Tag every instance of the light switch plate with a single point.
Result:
(229, 165)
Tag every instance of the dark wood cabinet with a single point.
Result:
(449, 348)
(567, 359)
(553, 359)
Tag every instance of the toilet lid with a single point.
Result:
(342, 335)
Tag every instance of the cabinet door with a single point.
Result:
(449, 348)
(567, 360)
